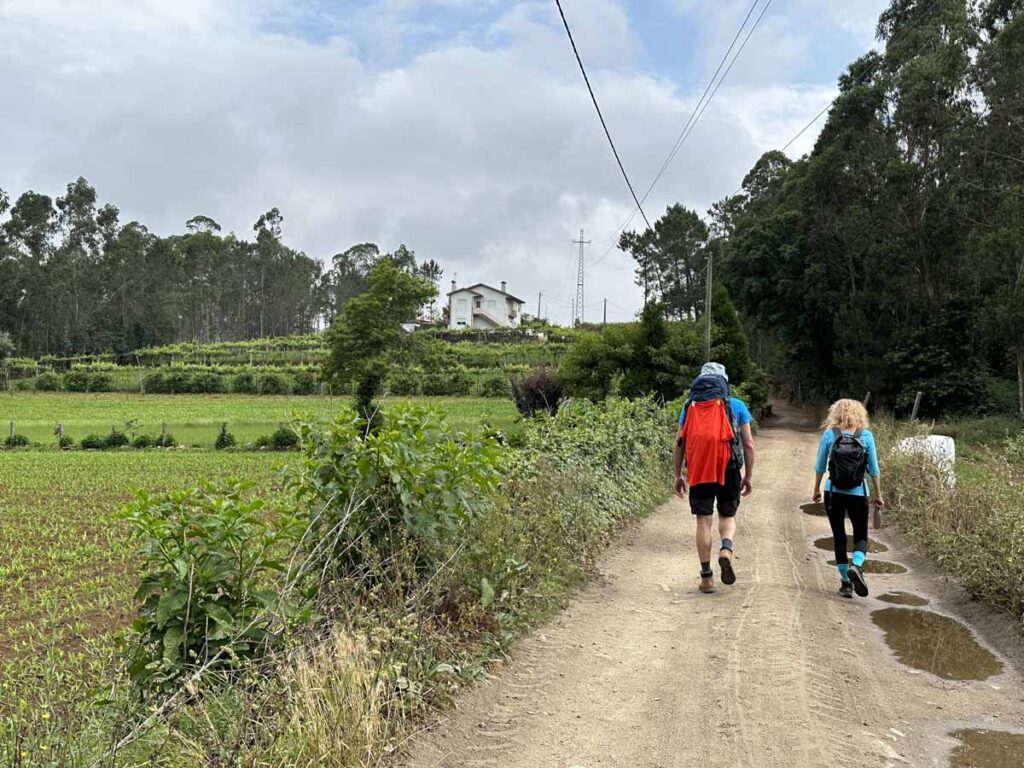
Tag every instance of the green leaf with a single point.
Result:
(171, 603)
(486, 592)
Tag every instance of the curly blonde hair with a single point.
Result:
(847, 415)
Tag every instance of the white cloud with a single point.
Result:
(483, 153)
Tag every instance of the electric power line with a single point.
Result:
(604, 125)
(829, 106)
(698, 111)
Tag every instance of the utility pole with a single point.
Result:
(707, 311)
(578, 312)
(574, 313)
(604, 320)
(538, 303)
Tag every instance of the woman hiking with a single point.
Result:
(847, 451)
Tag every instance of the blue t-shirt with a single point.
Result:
(825, 447)
(739, 410)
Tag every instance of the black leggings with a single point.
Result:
(838, 506)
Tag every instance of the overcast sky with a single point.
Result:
(461, 128)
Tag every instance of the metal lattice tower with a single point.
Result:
(577, 318)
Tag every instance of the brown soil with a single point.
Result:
(643, 671)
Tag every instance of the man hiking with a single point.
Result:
(718, 447)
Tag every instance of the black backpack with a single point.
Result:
(713, 387)
(847, 461)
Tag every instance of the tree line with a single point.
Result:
(74, 279)
(890, 258)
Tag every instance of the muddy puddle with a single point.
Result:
(879, 566)
(937, 644)
(828, 544)
(813, 508)
(903, 598)
(988, 749)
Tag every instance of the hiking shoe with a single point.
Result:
(846, 590)
(857, 577)
(725, 563)
(707, 584)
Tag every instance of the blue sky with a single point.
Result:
(458, 127)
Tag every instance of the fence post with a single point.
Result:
(60, 434)
(917, 406)
(12, 430)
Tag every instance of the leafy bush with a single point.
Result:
(225, 439)
(360, 516)
(305, 383)
(116, 439)
(47, 382)
(155, 383)
(405, 382)
(93, 443)
(165, 441)
(206, 383)
(16, 441)
(244, 384)
(207, 596)
(65, 443)
(77, 380)
(282, 439)
(538, 392)
(273, 384)
(496, 386)
(144, 441)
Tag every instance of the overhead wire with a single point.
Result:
(835, 98)
(597, 107)
(698, 111)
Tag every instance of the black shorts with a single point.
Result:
(703, 496)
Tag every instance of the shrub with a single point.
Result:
(93, 443)
(273, 384)
(143, 441)
(206, 596)
(116, 439)
(16, 441)
(165, 441)
(497, 386)
(47, 382)
(224, 438)
(244, 384)
(206, 383)
(451, 383)
(65, 443)
(538, 392)
(405, 382)
(84, 381)
(360, 517)
(155, 384)
(305, 383)
(284, 439)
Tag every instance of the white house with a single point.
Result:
(481, 306)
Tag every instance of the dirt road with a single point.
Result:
(643, 671)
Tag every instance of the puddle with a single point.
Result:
(988, 749)
(903, 598)
(936, 644)
(879, 566)
(813, 508)
(828, 544)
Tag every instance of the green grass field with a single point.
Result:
(195, 419)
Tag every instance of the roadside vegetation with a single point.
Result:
(316, 624)
(975, 532)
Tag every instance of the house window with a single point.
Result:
(479, 302)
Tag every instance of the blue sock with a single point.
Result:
(844, 572)
(859, 558)
(727, 544)
(705, 568)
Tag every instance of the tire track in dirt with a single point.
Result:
(643, 671)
